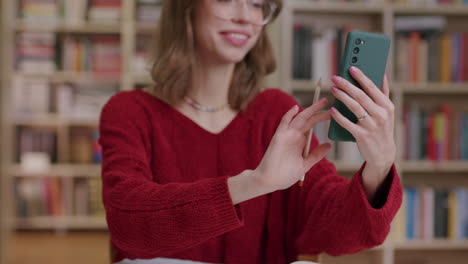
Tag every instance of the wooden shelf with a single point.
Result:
(336, 8)
(82, 77)
(434, 88)
(434, 166)
(54, 121)
(62, 222)
(442, 244)
(62, 170)
(453, 9)
(86, 28)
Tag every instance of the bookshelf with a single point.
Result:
(134, 35)
(70, 131)
(380, 16)
(3, 179)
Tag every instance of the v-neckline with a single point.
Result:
(191, 121)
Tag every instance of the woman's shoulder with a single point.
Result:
(133, 105)
(271, 102)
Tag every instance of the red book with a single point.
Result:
(456, 136)
(464, 62)
(97, 3)
(430, 141)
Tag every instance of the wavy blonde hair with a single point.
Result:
(174, 58)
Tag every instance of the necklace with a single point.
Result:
(198, 106)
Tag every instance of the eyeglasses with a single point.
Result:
(258, 12)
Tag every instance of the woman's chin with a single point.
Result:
(234, 58)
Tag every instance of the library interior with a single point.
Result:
(62, 60)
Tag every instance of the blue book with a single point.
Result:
(464, 137)
(410, 212)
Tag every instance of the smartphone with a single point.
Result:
(368, 52)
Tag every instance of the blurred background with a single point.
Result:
(63, 59)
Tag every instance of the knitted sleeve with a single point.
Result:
(147, 219)
(334, 214)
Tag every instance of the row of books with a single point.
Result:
(98, 54)
(83, 101)
(31, 140)
(316, 54)
(148, 11)
(35, 52)
(40, 53)
(84, 146)
(37, 97)
(432, 2)
(431, 57)
(428, 214)
(70, 12)
(55, 196)
(440, 134)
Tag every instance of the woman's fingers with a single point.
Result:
(345, 122)
(300, 120)
(357, 94)
(315, 119)
(369, 86)
(385, 86)
(316, 155)
(352, 104)
(286, 120)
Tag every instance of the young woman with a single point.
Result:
(203, 165)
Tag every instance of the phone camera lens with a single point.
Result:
(359, 42)
(354, 59)
(356, 50)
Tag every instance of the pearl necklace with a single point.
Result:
(198, 106)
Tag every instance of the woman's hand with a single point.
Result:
(283, 163)
(374, 132)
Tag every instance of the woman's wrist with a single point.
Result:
(246, 186)
(373, 177)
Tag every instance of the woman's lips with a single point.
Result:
(238, 39)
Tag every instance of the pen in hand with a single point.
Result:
(318, 87)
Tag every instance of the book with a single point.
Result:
(36, 53)
(433, 214)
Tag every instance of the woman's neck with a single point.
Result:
(211, 84)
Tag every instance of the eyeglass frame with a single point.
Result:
(273, 7)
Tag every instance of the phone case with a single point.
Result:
(372, 60)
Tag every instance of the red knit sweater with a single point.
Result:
(165, 189)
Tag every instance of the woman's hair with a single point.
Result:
(174, 58)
